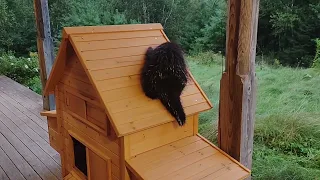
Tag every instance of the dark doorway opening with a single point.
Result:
(80, 158)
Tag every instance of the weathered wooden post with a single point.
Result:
(238, 83)
(45, 47)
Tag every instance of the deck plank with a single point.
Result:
(40, 121)
(3, 175)
(23, 90)
(185, 159)
(41, 130)
(29, 112)
(31, 158)
(14, 90)
(10, 169)
(29, 132)
(18, 160)
(34, 147)
(25, 152)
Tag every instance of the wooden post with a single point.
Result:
(238, 82)
(45, 47)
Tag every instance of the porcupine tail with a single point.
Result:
(173, 104)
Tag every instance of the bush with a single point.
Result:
(292, 135)
(22, 70)
(208, 58)
(316, 62)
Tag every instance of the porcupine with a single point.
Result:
(164, 76)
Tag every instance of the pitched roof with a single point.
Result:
(112, 57)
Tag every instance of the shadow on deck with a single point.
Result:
(25, 152)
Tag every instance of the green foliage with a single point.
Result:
(35, 84)
(289, 134)
(213, 33)
(316, 61)
(22, 70)
(208, 58)
(270, 164)
(79, 13)
(17, 26)
(287, 126)
(286, 29)
(6, 24)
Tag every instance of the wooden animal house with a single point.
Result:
(104, 127)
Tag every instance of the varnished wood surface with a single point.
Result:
(106, 61)
(189, 158)
(45, 47)
(25, 152)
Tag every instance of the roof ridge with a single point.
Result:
(110, 28)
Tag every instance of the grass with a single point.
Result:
(287, 127)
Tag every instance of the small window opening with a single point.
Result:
(80, 157)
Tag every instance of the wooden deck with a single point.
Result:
(25, 152)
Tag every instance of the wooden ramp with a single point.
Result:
(25, 152)
(191, 158)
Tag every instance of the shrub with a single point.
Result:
(316, 62)
(21, 69)
(291, 135)
(208, 58)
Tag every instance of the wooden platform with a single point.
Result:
(191, 158)
(24, 149)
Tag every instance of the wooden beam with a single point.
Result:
(238, 82)
(45, 48)
(52, 113)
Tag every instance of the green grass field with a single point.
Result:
(287, 127)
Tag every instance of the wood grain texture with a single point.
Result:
(189, 158)
(238, 82)
(98, 167)
(19, 162)
(115, 35)
(52, 113)
(119, 43)
(195, 124)
(55, 140)
(3, 175)
(113, 145)
(124, 154)
(158, 136)
(250, 87)
(45, 47)
(29, 156)
(59, 66)
(13, 96)
(14, 109)
(157, 119)
(23, 134)
(12, 120)
(105, 62)
(96, 147)
(111, 28)
(8, 167)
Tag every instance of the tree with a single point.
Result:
(287, 28)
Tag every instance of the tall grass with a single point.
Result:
(287, 127)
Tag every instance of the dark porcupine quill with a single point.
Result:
(164, 76)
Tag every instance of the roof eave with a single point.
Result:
(59, 65)
(111, 28)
